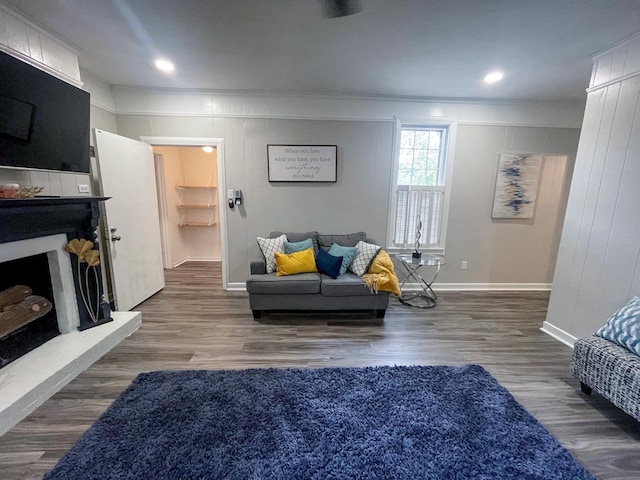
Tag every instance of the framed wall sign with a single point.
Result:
(302, 163)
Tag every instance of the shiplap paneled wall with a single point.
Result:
(357, 201)
(540, 127)
(598, 266)
(29, 43)
(363, 191)
(145, 102)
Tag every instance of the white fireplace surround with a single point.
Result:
(64, 294)
(27, 382)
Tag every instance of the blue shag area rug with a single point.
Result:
(333, 423)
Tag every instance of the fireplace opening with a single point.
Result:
(27, 311)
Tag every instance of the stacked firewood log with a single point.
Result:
(19, 307)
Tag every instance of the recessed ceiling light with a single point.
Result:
(207, 149)
(493, 77)
(164, 65)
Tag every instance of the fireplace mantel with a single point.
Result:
(21, 219)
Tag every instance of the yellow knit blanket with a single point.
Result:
(381, 275)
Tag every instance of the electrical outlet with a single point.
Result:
(463, 265)
(83, 189)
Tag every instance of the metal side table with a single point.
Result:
(425, 297)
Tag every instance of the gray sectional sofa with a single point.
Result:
(313, 291)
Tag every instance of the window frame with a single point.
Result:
(450, 127)
(442, 151)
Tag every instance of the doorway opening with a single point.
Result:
(189, 178)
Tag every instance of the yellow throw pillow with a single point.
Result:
(297, 262)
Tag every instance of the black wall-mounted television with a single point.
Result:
(44, 121)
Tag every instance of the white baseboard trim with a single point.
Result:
(445, 287)
(179, 262)
(558, 334)
(237, 287)
(196, 259)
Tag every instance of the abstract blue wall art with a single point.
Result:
(516, 185)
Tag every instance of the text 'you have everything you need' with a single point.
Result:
(304, 163)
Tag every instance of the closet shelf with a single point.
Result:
(196, 224)
(196, 186)
(197, 192)
(195, 205)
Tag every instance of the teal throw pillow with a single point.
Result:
(293, 247)
(328, 264)
(347, 254)
(623, 327)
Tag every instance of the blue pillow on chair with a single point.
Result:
(623, 327)
(293, 247)
(347, 254)
(328, 264)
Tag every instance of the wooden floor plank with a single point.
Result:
(193, 323)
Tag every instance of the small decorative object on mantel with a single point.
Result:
(9, 190)
(87, 285)
(28, 192)
(417, 253)
(13, 190)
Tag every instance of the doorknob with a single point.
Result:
(114, 237)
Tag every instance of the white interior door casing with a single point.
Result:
(126, 173)
(218, 143)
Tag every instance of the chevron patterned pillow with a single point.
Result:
(623, 327)
(269, 247)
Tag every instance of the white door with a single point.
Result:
(127, 174)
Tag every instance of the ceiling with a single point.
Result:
(416, 48)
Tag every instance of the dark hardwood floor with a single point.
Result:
(194, 324)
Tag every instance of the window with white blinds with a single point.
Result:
(418, 203)
(420, 188)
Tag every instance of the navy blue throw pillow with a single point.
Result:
(328, 264)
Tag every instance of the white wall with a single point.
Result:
(360, 198)
(103, 120)
(598, 266)
(503, 253)
(101, 92)
(176, 248)
(102, 115)
(358, 201)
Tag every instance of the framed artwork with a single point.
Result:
(516, 185)
(302, 163)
